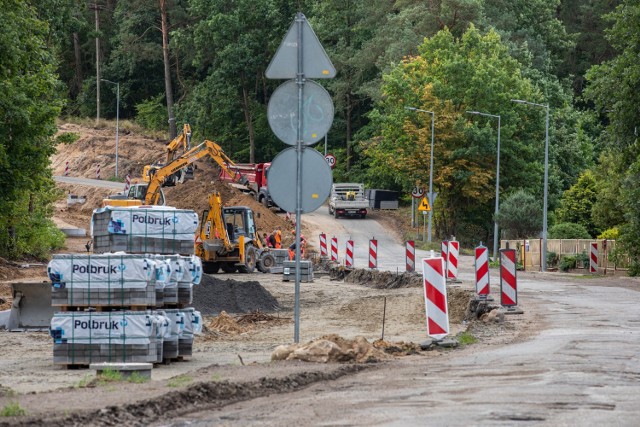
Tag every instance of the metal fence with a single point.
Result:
(529, 252)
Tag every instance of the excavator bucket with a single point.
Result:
(31, 308)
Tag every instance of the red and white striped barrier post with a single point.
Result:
(410, 255)
(435, 297)
(593, 258)
(334, 249)
(508, 279)
(444, 250)
(482, 271)
(127, 183)
(323, 245)
(348, 260)
(97, 171)
(373, 253)
(66, 168)
(453, 253)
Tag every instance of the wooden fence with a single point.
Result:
(529, 252)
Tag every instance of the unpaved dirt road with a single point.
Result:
(581, 367)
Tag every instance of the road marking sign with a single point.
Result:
(373, 253)
(323, 245)
(482, 271)
(349, 257)
(593, 259)
(453, 252)
(410, 255)
(508, 279)
(424, 205)
(435, 297)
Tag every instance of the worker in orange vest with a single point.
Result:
(278, 236)
(292, 248)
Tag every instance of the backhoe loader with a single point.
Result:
(228, 240)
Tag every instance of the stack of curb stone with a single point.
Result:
(128, 306)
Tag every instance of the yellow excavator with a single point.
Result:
(151, 193)
(228, 240)
(181, 141)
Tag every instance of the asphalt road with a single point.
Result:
(581, 369)
(90, 182)
(391, 251)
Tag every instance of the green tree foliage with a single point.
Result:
(520, 215)
(614, 89)
(450, 76)
(577, 203)
(29, 106)
(568, 230)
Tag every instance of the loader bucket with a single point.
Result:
(31, 308)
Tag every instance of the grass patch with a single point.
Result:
(136, 378)
(465, 338)
(12, 409)
(109, 376)
(179, 381)
(84, 381)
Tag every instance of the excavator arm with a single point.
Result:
(207, 148)
(183, 140)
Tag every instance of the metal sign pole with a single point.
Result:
(300, 82)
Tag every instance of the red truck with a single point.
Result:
(256, 174)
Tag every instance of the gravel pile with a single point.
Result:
(214, 296)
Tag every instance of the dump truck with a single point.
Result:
(348, 199)
(228, 240)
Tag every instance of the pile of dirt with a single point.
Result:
(331, 349)
(384, 279)
(225, 325)
(213, 296)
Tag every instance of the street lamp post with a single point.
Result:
(543, 262)
(496, 210)
(117, 117)
(430, 169)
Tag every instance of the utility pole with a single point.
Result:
(96, 7)
(167, 70)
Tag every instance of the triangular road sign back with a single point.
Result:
(424, 205)
(315, 62)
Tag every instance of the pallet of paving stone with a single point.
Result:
(289, 271)
(149, 229)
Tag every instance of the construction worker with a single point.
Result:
(292, 248)
(277, 234)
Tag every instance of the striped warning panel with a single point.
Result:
(334, 249)
(410, 255)
(508, 279)
(453, 252)
(593, 257)
(435, 297)
(482, 270)
(323, 245)
(373, 253)
(348, 260)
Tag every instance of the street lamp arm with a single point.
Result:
(478, 113)
(418, 109)
(520, 101)
(108, 81)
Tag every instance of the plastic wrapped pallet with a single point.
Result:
(103, 280)
(192, 326)
(172, 334)
(160, 326)
(192, 276)
(173, 269)
(144, 229)
(81, 338)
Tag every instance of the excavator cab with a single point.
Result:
(239, 220)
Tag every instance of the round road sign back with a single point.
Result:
(316, 180)
(317, 112)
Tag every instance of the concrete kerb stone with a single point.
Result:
(446, 342)
(125, 369)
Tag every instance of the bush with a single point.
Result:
(552, 259)
(568, 230)
(152, 114)
(610, 234)
(567, 263)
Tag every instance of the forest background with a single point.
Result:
(202, 62)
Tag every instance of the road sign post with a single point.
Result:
(300, 118)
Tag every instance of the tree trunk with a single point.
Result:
(249, 120)
(167, 70)
(78, 59)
